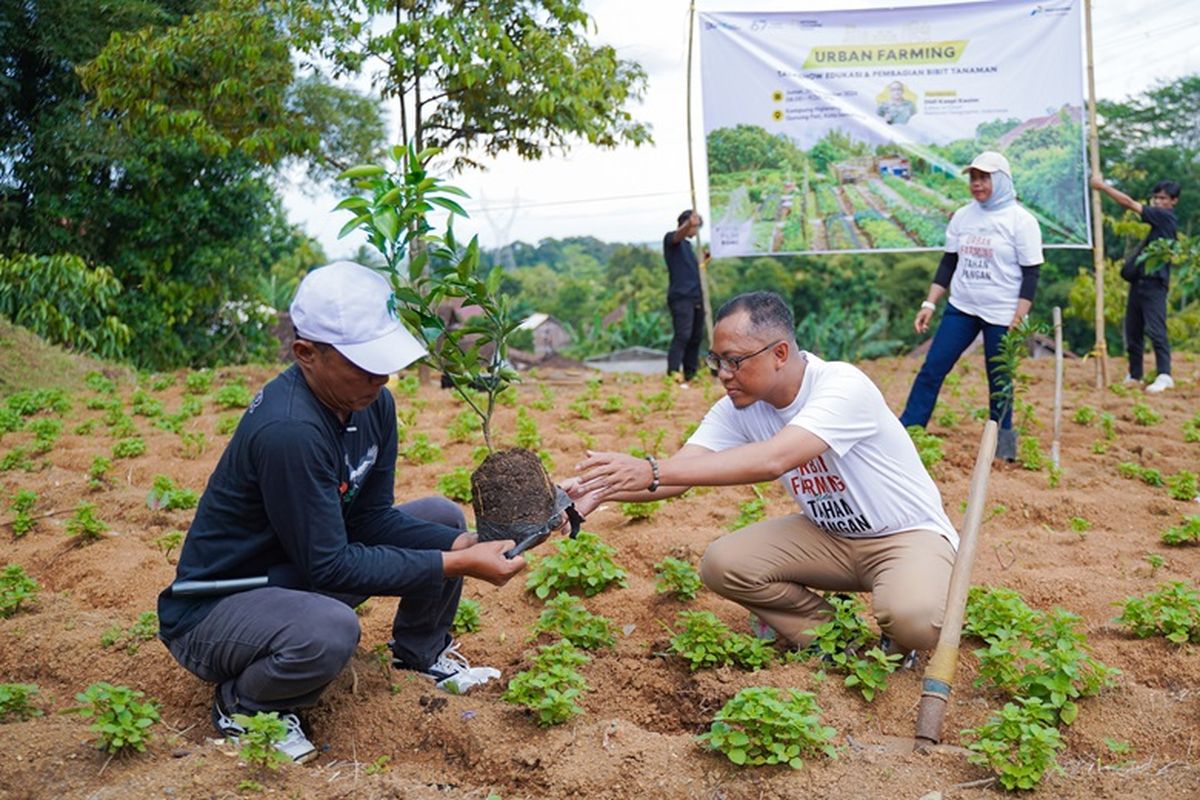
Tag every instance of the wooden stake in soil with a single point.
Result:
(1058, 384)
(939, 674)
(1101, 349)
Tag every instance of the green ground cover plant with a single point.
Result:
(120, 718)
(233, 395)
(1029, 453)
(677, 577)
(584, 563)
(1172, 610)
(637, 512)
(85, 526)
(164, 494)
(22, 504)
(169, 542)
(1186, 533)
(929, 447)
(750, 511)
(1018, 743)
(421, 451)
(466, 616)
(1147, 475)
(1191, 429)
(765, 725)
(456, 484)
(1084, 415)
(705, 642)
(45, 432)
(550, 687)
(227, 424)
(31, 401)
(1145, 415)
(16, 588)
(1183, 485)
(198, 381)
(566, 616)
(98, 473)
(527, 431)
(143, 404)
(133, 637)
(841, 642)
(257, 744)
(129, 447)
(464, 427)
(16, 702)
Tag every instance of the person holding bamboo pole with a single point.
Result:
(991, 265)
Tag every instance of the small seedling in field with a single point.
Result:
(120, 718)
(551, 686)
(192, 444)
(233, 395)
(144, 405)
(15, 588)
(130, 447)
(1155, 561)
(45, 432)
(378, 765)
(1080, 525)
(160, 383)
(1187, 533)
(84, 428)
(466, 616)
(1147, 475)
(751, 511)
(582, 408)
(1191, 429)
(168, 542)
(583, 563)
(1084, 415)
(30, 402)
(929, 447)
(1145, 415)
(1018, 743)
(1108, 424)
(587, 440)
(10, 421)
(227, 424)
(164, 494)
(841, 640)
(678, 577)
(546, 401)
(1183, 485)
(16, 458)
(456, 484)
(947, 417)
(198, 382)
(566, 616)
(705, 642)
(143, 630)
(98, 383)
(22, 503)
(527, 431)
(85, 526)
(1120, 390)
(257, 743)
(764, 725)
(1173, 611)
(651, 442)
(97, 473)
(1029, 453)
(421, 450)
(869, 671)
(464, 427)
(641, 511)
(1054, 475)
(15, 702)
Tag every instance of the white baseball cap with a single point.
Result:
(347, 305)
(989, 161)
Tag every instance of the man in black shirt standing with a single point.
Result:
(296, 526)
(1146, 309)
(684, 296)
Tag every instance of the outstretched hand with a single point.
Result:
(613, 473)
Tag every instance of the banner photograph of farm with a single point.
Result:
(848, 131)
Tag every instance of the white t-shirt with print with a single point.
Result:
(869, 483)
(992, 246)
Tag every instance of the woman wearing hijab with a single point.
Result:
(991, 264)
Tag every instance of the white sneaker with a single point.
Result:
(1161, 383)
(451, 672)
(295, 745)
(1130, 380)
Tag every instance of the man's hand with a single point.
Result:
(484, 561)
(585, 501)
(613, 473)
(921, 323)
(465, 539)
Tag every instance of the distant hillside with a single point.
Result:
(29, 362)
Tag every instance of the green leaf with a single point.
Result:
(450, 205)
(362, 171)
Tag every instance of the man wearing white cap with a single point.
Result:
(297, 526)
(991, 264)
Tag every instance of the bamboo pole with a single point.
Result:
(708, 318)
(1101, 348)
(1055, 448)
(939, 674)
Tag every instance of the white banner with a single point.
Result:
(848, 130)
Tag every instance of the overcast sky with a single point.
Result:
(634, 194)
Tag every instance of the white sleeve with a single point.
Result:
(952, 233)
(1029, 240)
(719, 429)
(841, 411)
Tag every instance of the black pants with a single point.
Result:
(1146, 315)
(687, 318)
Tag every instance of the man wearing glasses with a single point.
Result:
(870, 518)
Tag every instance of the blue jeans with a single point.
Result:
(956, 331)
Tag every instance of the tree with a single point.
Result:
(481, 77)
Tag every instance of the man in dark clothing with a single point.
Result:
(1146, 308)
(684, 296)
(300, 507)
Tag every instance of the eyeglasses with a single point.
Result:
(732, 363)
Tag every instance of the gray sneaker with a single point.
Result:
(1006, 444)
(295, 745)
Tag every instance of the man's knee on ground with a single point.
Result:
(718, 569)
(911, 625)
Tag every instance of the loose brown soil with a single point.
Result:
(511, 486)
(637, 735)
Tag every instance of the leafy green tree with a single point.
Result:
(481, 78)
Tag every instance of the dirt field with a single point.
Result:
(642, 713)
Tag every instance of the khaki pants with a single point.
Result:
(772, 567)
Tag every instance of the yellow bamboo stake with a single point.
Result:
(1101, 349)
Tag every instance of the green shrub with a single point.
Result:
(168, 542)
(583, 563)
(527, 431)
(466, 616)
(120, 718)
(841, 642)
(569, 618)
(1084, 415)
(233, 395)
(130, 447)
(551, 686)
(85, 526)
(198, 382)
(146, 405)
(31, 401)
(1172, 611)
(16, 458)
(456, 484)
(678, 577)
(705, 642)
(227, 424)
(164, 494)
(1029, 453)
(421, 450)
(45, 432)
(641, 511)
(465, 426)
(97, 382)
(160, 383)
(262, 732)
(15, 702)
(1145, 415)
(15, 588)
(765, 725)
(750, 511)
(98, 471)
(1183, 485)
(1017, 743)
(929, 447)
(22, 503)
